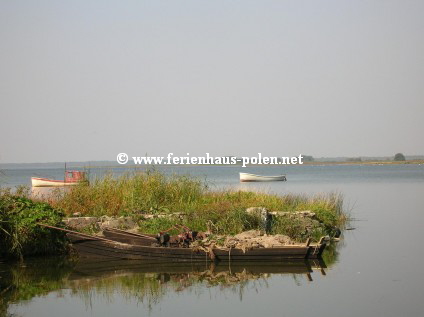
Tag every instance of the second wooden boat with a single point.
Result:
(129, 237)
(314, 250)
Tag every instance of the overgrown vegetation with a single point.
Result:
(19, 233)
(138, 194)
(223, 211)
(131, 193)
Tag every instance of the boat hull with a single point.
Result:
(314, 251)
(105, 248)
(45, 182)
(246, 177)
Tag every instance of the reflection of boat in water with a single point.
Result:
(246, 177)
(145, 280)
(71, 178)
(101, 268)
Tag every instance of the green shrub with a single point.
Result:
(19, 233)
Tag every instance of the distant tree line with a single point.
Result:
(354, 159)
(399, 157)
(308, 158)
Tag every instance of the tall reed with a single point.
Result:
(141, 193)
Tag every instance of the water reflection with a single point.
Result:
(145, 282)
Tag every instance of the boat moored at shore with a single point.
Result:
(90, 246)
(72, 178)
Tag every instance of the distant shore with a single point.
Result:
(366, 162)
(110, 164)
(317, 163)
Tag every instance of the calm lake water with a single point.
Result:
(374, 271)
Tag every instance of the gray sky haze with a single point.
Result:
(86, 80)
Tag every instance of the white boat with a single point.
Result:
(72, 178)
(246, 177)
(46, 182)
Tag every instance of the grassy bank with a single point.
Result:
(138, 194)
(19, 233)
(141, 194)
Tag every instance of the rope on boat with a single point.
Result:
(208, 251)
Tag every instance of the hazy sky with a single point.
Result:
(86, 80)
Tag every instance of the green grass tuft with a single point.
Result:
(19, 233)
(141, 193)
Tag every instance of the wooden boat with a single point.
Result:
(72, 178)
(315, 250)
(129, 237)
(246, 177)
(89, 246)
(94, 246)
